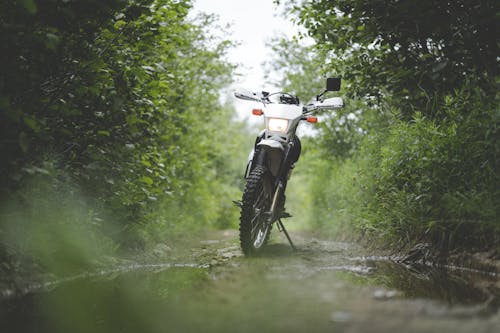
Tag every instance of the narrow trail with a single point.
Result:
(208, 286)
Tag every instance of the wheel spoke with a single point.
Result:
(254, 225)
(256, 228)
(259, 199)
(259, 208)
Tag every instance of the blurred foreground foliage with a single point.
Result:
(109, 116)
(414, 155)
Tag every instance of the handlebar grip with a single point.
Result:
(247, 97)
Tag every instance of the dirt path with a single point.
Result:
(208, 286)
(331, 286)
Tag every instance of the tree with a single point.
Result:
(296, 67)
(415, 52)
(112, 92)
(430, 172)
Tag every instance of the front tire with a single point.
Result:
(256, 202)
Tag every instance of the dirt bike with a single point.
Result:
(271, 161)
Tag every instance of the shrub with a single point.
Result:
(437, 179)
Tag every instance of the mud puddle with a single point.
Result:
(325, 286)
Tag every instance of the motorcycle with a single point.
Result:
(271, 161)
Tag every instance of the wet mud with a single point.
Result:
(206, 285)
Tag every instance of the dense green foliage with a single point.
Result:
(414, 156)
(440, 178)
(416, 52)
(110, 117)
(109, 113)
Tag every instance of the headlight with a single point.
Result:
(277, 125)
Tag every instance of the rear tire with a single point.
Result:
(257, 198)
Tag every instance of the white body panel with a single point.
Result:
(285, 111)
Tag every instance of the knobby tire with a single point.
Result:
(256, 201)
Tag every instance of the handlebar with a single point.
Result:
(264, 97)
(249, 96)
(327, 104)
(286, 98)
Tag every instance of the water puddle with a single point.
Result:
(454, 286)
(325, 287)
(45, 286)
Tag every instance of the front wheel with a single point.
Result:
(256, 202)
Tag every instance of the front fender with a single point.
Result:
(274, 154)
(270, 144)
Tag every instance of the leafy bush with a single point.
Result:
(438, 180)
(108, 111)
(425, 180)
(426, 167)
(48, 225)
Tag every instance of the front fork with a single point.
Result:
(277, 197)
(259, 158)
(279, 185)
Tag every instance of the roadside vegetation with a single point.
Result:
(414, 156)
(111, 118)
(109, 123)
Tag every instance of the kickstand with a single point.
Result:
(282, 228)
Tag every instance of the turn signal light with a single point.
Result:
(257, 112)
(312, 119)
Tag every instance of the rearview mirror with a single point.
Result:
(333, 84)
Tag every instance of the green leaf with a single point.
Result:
(146, 163)
(52, 40)
(30, 6)
(32, 123)
(147, 180)
(103, 133)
